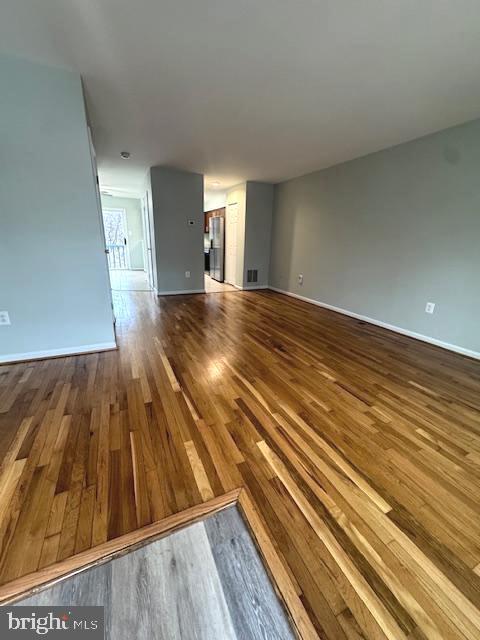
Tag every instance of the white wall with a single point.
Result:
(214, 199)
(53, 272)
(238, 195)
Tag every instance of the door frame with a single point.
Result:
(147, 241)
(93, 160)
(228, 240)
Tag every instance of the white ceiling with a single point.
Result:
(255, 89)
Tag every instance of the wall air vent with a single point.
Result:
(252, 275)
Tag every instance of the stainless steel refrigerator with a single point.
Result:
(217, 248)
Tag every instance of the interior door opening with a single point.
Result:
(124, 230)
(215, 253)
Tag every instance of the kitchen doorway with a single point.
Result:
(215, 253)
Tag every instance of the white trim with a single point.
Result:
(52, 353)
(230, 242)
(148, 242)
(252, 287)
(178, 293)
(406, 332)
(101, 238)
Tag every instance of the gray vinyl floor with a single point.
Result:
(204, 582)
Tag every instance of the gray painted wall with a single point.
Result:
(133, 212)
(384, 234)
(258, 229)
(53, 273)
(177, 197)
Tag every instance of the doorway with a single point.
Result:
(123, 222)
(214, 252)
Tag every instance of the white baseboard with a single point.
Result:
(252, 287)
(385, 325)
(55, 353)
(179, 293)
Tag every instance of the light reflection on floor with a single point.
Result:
(129, 280)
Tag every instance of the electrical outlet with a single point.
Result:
(300, 278)
(4, 317)
(430, 307)
(187, 274)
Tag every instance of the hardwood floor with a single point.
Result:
(359, 450)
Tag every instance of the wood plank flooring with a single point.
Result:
(359, 451)
(205, 582)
